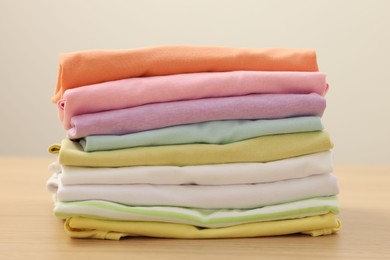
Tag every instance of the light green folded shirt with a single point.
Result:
(259, 149)
(79, 227)
(214, 132)
(211, 218)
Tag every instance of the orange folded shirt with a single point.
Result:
(89, 67)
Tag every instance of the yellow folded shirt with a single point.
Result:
(260, 149)
(78, 227)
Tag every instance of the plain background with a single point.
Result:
(352, 39)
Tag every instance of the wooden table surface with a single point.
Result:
(28, 228)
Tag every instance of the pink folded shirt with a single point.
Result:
(133, 92)
(159, 115)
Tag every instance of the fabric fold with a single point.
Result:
(134, 92)
(214, 132)
(260, 149)
(239, 196)
(159, 115)
(78, 227)
(212, 174)
(95, 66)
(212, 218)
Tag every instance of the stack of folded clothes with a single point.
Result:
(193, 142)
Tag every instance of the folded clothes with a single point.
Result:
(213, 132)
(152, 116)
(133, 92)
(79, 227)
(212, 174)
(212, 218)
(259, 149)
(95, 66)
(239, 196)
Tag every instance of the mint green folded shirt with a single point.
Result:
(214, 132)
(259, 149)
(211, 218)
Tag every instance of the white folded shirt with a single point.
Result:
(240, 196)
(216, 174)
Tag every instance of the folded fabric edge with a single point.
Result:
(114, 235)
(54, 149)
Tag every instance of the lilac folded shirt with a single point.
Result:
(140, 91)
(158, 115)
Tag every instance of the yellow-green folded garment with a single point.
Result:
(209, 218)
(260, 149)
(78, 227)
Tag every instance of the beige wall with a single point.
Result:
(351, 37)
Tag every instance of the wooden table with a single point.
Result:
(28, 228)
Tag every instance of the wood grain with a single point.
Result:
(29, 229)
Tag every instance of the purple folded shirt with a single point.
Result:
(159, 115)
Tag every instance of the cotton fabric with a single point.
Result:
(211, 174)
(193, 142)
(212, 218)
(78, 227)
(260, 149)
(95, 66)
(239, 196)
(152, 116)
(214, 132)
(133, 92)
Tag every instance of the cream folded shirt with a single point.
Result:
(240, 196)
(212, 174)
